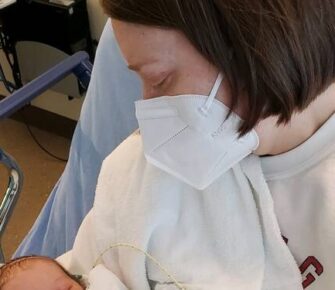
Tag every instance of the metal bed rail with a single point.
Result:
(11, 195)
(78, 64)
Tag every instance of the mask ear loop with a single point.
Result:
(205, 108)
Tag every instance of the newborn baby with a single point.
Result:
(42, 273)
(37, 273)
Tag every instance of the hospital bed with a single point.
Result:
(77, 64)
(11, 195)
(107, 118)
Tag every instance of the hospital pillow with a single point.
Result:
(107, 118)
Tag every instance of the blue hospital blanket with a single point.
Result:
(107, 118)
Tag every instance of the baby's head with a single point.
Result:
(38, 273)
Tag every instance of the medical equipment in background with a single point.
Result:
(78, 64)
(8, 46)
(41, 33)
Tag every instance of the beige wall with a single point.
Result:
(97, 18)
(58, 103)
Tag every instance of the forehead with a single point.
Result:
(34, 274)
(142, 44)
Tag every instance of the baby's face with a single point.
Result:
(42, 275)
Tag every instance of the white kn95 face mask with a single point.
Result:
(189, 137)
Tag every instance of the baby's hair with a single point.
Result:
(8, 270)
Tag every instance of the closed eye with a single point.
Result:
(163, 82)
(160, 83)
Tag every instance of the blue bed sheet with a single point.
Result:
(107, 118)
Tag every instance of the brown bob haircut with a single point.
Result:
(278, 54)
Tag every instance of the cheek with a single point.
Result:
(150, 92)
(68, 284)
(77, 287)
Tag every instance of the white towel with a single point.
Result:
(279, 264)
(100, 278)
(225, 237)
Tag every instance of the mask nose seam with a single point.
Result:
(168, 140)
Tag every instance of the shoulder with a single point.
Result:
(314, 153)
(117, 185)
(128, 154)
(121, 172)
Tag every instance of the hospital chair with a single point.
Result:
(107, 118)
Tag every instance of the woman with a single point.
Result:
(221, 80)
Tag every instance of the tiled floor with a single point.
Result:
(41, 172)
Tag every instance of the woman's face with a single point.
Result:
(166, 62)
(169, 65)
